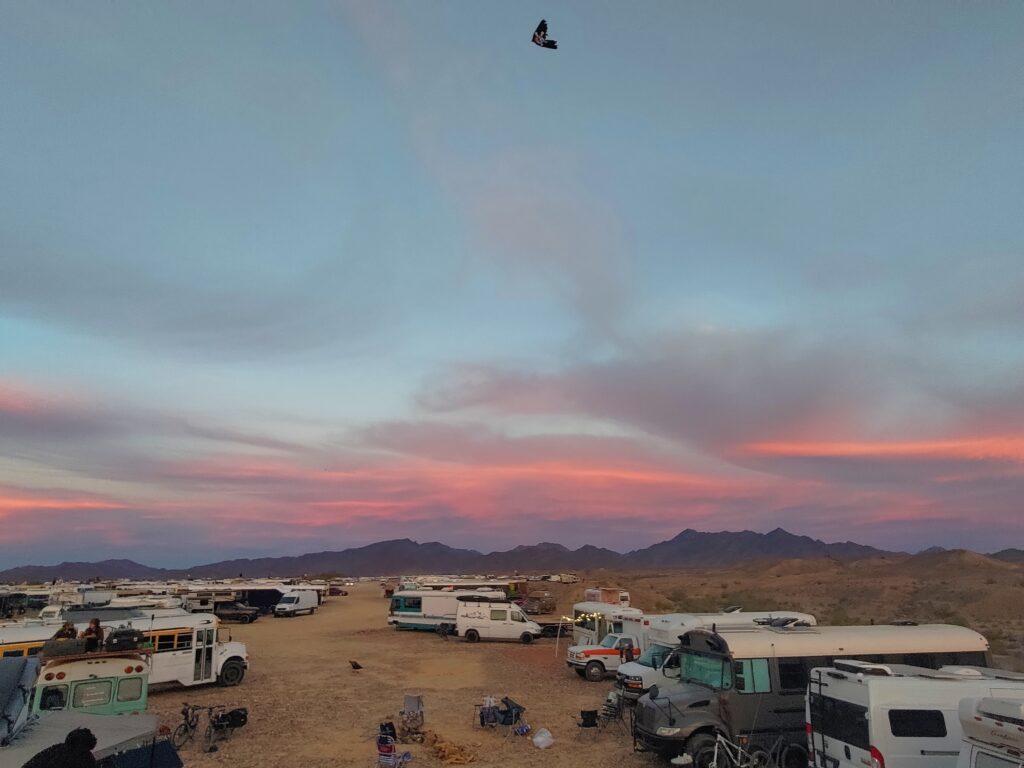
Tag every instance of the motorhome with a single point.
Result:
(610, 595)
(187, 647)
(895, 715)
(993, 733)
(661, 636)
(749, 683)
(490, 618)
(295, 602)
(96, 683)
(429, 608)
(592, 621)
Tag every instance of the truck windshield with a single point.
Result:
(706, 669)
(609, 641)
(654, 656)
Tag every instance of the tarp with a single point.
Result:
(113, 734)
(17, 676)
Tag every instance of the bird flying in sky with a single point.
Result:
(540, 36)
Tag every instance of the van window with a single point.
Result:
(517, 616)
(413, 603)
(920, 723)
(499, 615)
(654, 656)
(840, 720)
(129, 689)
(792, 675)
(986, 760)
(94, 693)
(752, 676)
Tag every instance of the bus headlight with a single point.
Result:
(666, 731)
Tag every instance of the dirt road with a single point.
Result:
(308, 709)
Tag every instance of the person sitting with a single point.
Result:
(75, 752)
(66, 632)
(93, 636)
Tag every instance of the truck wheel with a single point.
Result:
(594, 671)
(472, 636)
(793, 756)
(701, 748)
(231, 673)
(526, 638)
(244, 619)
(579, 671)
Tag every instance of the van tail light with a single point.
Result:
(877, 761)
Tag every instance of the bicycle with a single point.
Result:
(722, 753)
(187, 729)
(221, 724)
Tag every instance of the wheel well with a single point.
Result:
(228, 660)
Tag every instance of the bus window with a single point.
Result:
(94, 693)
(165, 643)
(15, 652)
(54, 697)
(752, 676)
(129, 689)
(34, 650)
(184, 642)
(792, 675)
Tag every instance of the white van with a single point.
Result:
(660, 636)
(487, 619)
(993, 733)
(295, 602)
(860, 713)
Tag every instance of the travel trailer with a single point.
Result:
(592, 621)
(749, 683)
(895, 715)
(186, 646)
(661, 637)
(295, 602)
(486, 618)
(429, 608)
(993, 733)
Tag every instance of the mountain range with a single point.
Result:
(688, 549)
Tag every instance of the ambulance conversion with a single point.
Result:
(862, 713)
(634, 678)
(993, 733)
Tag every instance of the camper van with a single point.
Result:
(993, 733)
(483, 618)
(187, 647)
(895, 715)
(295, 602)
(96, 683)
(661, 636)
(592, 621)
(430, 608)
(749, 683)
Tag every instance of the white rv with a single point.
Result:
(295, 602)
(482, 618)
(429, 609)
(592, 621)
(993, 733)
(861, 713)
(661, 636)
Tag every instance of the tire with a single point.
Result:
(231, 673)
(701, 747)
(208, 739)
(762, 758)
(180, 736)
(472, 636)
(594, 671)
(526, 638)
(243, 619)
(579, 671)
(793, 756)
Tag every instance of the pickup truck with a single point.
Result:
(541, 603)
(239, 612)
(595, 661)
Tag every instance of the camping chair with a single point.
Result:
(587, 723)
(510, 716)
(612, 711)
(411, 728)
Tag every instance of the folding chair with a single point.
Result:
(511, 717)
(587, 724)
(412, 717)
(612, 711)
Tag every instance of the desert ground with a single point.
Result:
(308, 709)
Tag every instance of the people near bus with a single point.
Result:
(66, 632)
(75, 752)
(93, 636)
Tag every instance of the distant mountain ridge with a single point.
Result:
(689, 548)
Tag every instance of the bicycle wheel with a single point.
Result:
(760, 758)
(181, 734)
(208, 739)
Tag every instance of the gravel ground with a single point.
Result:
(308, 709)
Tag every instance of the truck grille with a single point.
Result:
(645, 717)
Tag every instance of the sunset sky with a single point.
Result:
(286, 277)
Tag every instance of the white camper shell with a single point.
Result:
(483, 618)
(296, 601)
(661, 636)
(993, 733)
(860, 713)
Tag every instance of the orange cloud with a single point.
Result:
(976, 448)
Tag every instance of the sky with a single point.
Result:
(286, 277)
